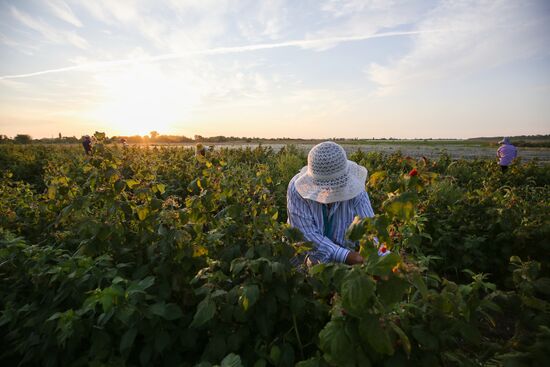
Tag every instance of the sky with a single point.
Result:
(281, 68)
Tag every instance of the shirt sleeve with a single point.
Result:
(300, 216)
(363, 207)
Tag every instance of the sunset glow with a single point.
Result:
(142, 99)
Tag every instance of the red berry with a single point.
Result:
(413, 172)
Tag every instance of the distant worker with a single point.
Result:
(506, 153)
(124, 142)
(322, 201)
(87, 144)
(200, 150)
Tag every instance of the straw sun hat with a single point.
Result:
(329, 176)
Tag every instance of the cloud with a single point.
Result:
(10, 42)
(264, 19)
(49, 33)
(169, 26)
(219, 51)
(482, 35)
(61, 10)
(342, 8)
(350, 17)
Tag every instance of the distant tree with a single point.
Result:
(153, 134)
(136, 139)
(100, 135)
(70, 139)
(22, 139)
(4, 139)
(198, 138)
(60, 136)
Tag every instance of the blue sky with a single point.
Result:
(315, 69)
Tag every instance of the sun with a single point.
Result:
(142, 99)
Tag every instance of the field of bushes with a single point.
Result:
(158, 257)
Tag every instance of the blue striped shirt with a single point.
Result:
(307, 216)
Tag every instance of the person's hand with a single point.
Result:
(354, 258)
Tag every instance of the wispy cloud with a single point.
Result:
(10, 42)
(482, 35)
(221, 51)
(349, 17)
(49, 33)
(61, 10)
(170, 25)
(268, 21)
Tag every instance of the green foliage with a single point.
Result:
(156, 256)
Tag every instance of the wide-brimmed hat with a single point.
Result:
(329, 176)
(505, 140)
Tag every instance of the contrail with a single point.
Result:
(219, 51)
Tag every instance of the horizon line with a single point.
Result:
(298, 138)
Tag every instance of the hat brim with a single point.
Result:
(308, 189)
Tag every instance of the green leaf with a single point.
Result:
(131, 183)
(356, 229)
(142, 212)
(141, 286)
(536, 303)
(250, 295)
(419, 283)
(470, 333)
(377, 177)
(357, 291)
(375, 335)
(401, 206)
(231, 360)
(392, 290)
(312, 362)
(382, 265)
(158, 308)
(145, 354)
(161, 188)
(287, 355)
(156, 204)
(542, 285)
(162, 340)
(205, 312)
(237, 266)
(52, 191)
(405, 342)
(172, 312)
(275, 354)
(146, 282)
(335, 343)
(118, 279)
(119, 185)
(55, 316)
(127, 339)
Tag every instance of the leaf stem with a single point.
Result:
(298, 336)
